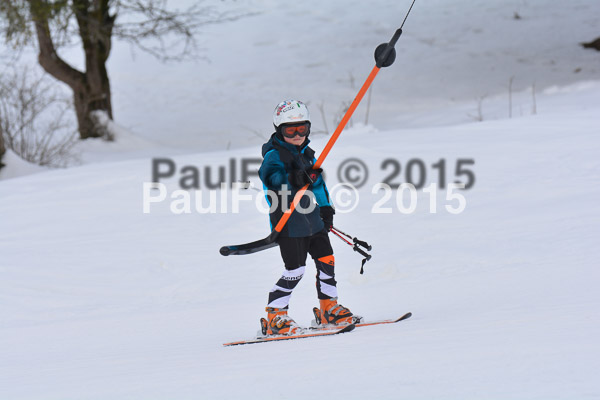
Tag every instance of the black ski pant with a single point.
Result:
(294, 252)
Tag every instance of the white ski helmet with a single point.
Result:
(289, 112)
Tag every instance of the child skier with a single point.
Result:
(287, 165)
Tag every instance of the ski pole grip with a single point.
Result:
(363, 244)
(363, 253)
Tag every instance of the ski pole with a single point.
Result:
(340, 236)
(354, 239)
(355, 248)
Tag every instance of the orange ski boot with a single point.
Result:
(278, 322)
(332, 313)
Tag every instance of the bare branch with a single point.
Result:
(35, 119)
(255, 132)
(534, 102)
(48, 58)
(15, 25)
(510, 84)
(168, 35)
(321, 107)
(479, 116)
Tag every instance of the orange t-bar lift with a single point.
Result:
(385, 55)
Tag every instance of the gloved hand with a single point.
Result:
(300, 177)
(327, 216)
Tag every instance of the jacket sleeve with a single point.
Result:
(272, 171)
(320, 191)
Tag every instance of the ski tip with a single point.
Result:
(405, 316)
(225, 250)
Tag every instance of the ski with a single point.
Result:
(386, 321)
(317, 328)
(305, 334)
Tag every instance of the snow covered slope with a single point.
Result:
(101, 301)
(14, 166)
(451, 53)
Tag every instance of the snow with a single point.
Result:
(451, 53)
(114, 303)
(14, 166)
(124, 145)
(99, 300)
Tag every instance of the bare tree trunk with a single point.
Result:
(91, 89)
(95, 29)
(2, 148)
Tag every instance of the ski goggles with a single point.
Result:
(290, 131)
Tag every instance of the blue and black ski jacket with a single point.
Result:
(279, 159)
